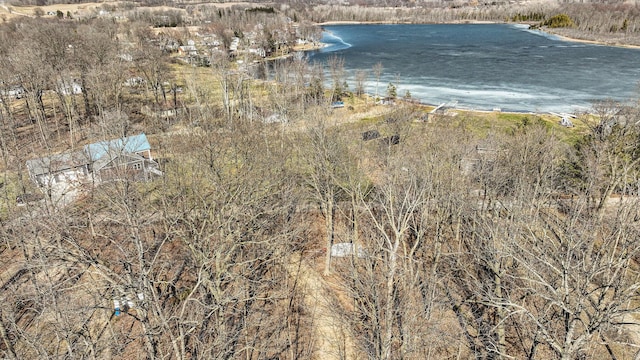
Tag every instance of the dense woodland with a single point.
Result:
(487, 236)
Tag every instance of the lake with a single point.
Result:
(485, 66)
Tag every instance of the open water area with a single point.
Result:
(485, 66)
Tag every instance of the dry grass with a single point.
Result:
(75, 9)
(84, 9)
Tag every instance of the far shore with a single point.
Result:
(347, 22)
(548, 31)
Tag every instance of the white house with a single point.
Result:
(346, 250)
(59, 168)
(69, 88)
(233, 47)
(189, 50)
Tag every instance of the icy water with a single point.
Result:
(485, 66)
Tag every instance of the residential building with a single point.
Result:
(121, 158)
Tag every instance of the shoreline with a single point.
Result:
(592, 42)
(353, 22)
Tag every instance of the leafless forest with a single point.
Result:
(487, 236)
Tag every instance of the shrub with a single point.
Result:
(558, 21)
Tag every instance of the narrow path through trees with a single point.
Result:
(333, 340)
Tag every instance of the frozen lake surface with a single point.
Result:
(485, 66)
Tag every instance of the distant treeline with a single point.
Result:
(611, 22)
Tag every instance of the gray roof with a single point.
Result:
(57, 163)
